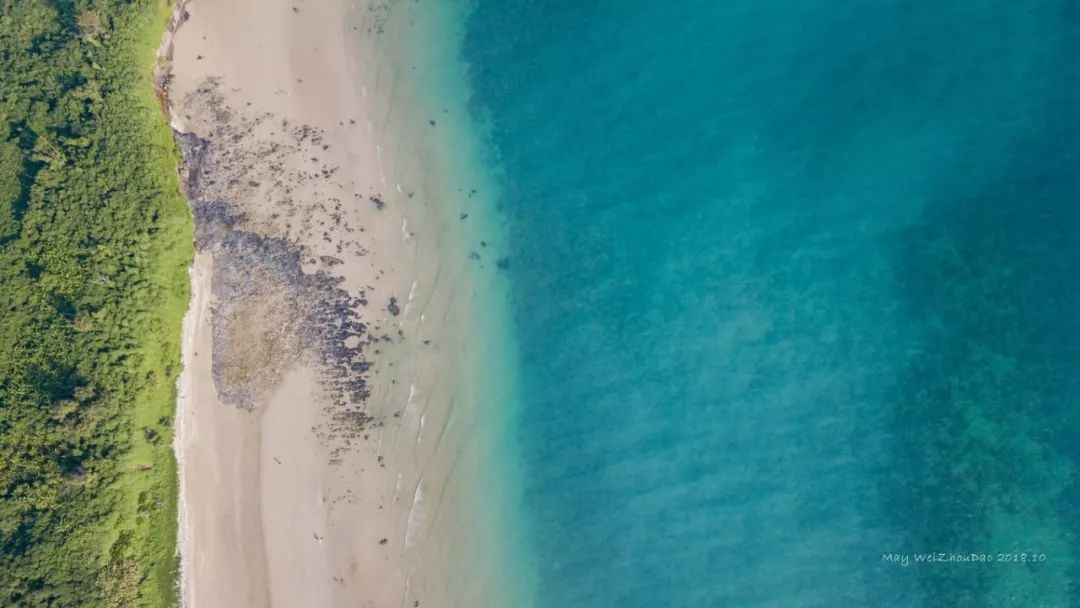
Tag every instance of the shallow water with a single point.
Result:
(790, 288)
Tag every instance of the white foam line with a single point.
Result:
(408, 305)
(397, 489)
(416, 515)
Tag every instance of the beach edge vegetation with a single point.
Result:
(95, 243)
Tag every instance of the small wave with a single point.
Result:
(408, 305)
(417, 516)
(411, 407)
(397, 489)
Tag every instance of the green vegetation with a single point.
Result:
(94, 245)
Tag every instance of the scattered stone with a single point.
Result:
(302, 316)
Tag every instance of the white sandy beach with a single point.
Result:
(294, 498)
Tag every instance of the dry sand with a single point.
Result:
(317, 428)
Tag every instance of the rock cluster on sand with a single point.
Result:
(271, 312)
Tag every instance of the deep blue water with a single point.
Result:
(793, 287)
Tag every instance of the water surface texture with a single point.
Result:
(792, 289)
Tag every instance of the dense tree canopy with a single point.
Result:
(94, 243)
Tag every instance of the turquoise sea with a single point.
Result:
(792, 297)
